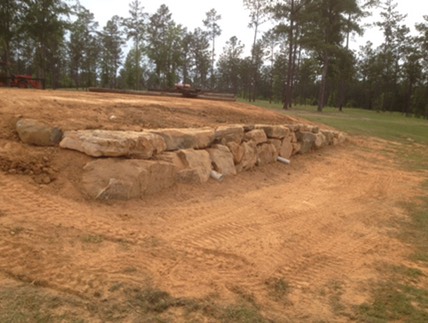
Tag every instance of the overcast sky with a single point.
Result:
(234, 22)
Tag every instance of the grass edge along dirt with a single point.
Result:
(386, 125)
(400, 297)
(30, 303)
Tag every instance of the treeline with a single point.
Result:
(304, 59)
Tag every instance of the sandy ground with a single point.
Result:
(298, 243)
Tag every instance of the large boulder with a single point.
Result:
(286, 148)
(237, 151)
(258, 136)
(320, 140)
(38, 133)
(232, 133)
(275, 131)
(124, 179)
(222, 160)
(266, 154)
(172, 157)
(110, 143)
(276, 142)
(249, 158)
(306, 140)
(191, 138)
(329, 136)
(197, 165)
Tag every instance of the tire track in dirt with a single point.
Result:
(61, 229)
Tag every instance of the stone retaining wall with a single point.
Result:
(131, 164)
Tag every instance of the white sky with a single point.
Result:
(234, 22)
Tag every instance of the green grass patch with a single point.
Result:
(278, 288)
(396, 302)
(28, 304)
(400, 297)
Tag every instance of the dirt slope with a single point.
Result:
(297, 243)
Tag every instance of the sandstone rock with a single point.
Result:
(320, 140)
(341, 137)
(266, 154)
(249, 127)
(307, 141)
(286, 148)
(226, 134)
(315, 129)
(222, 160)
(276, 142)
(172, 157)
(249, 158)
(296, 148)
(38, 133)
(258, 136)
(109, 143)
(293, 127)
(197, 163)
(118, 179)
(176, 139)
(278, 132)
(237, 151)
(329, 135)
(293, 137)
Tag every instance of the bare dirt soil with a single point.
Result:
(285, 243)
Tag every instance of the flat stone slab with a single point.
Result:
(258, 136)
(232, 133)
(189, 138)
(110, 143)
(119, 179)
(275, 131)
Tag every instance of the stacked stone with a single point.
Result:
(138, 163)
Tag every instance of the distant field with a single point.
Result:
(387, 125)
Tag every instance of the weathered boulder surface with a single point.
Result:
(172, 157)
(222, 160)
(197, 165)
(329, 136)
(286, 148)
(109, 143)
(258, 136)
(306, 140)
(275, 131)
(118, 179)
(232, 133)
(237, 151)
(296, 148)
(320, 140)
(38, 133)
(266, 154)
(249, 158)
(196, 138)
(276, 142)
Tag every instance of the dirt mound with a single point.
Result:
(298, 242)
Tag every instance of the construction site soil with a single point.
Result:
(286, 243)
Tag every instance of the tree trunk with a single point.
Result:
(321, 98)
(288, 84)
(409, 97)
